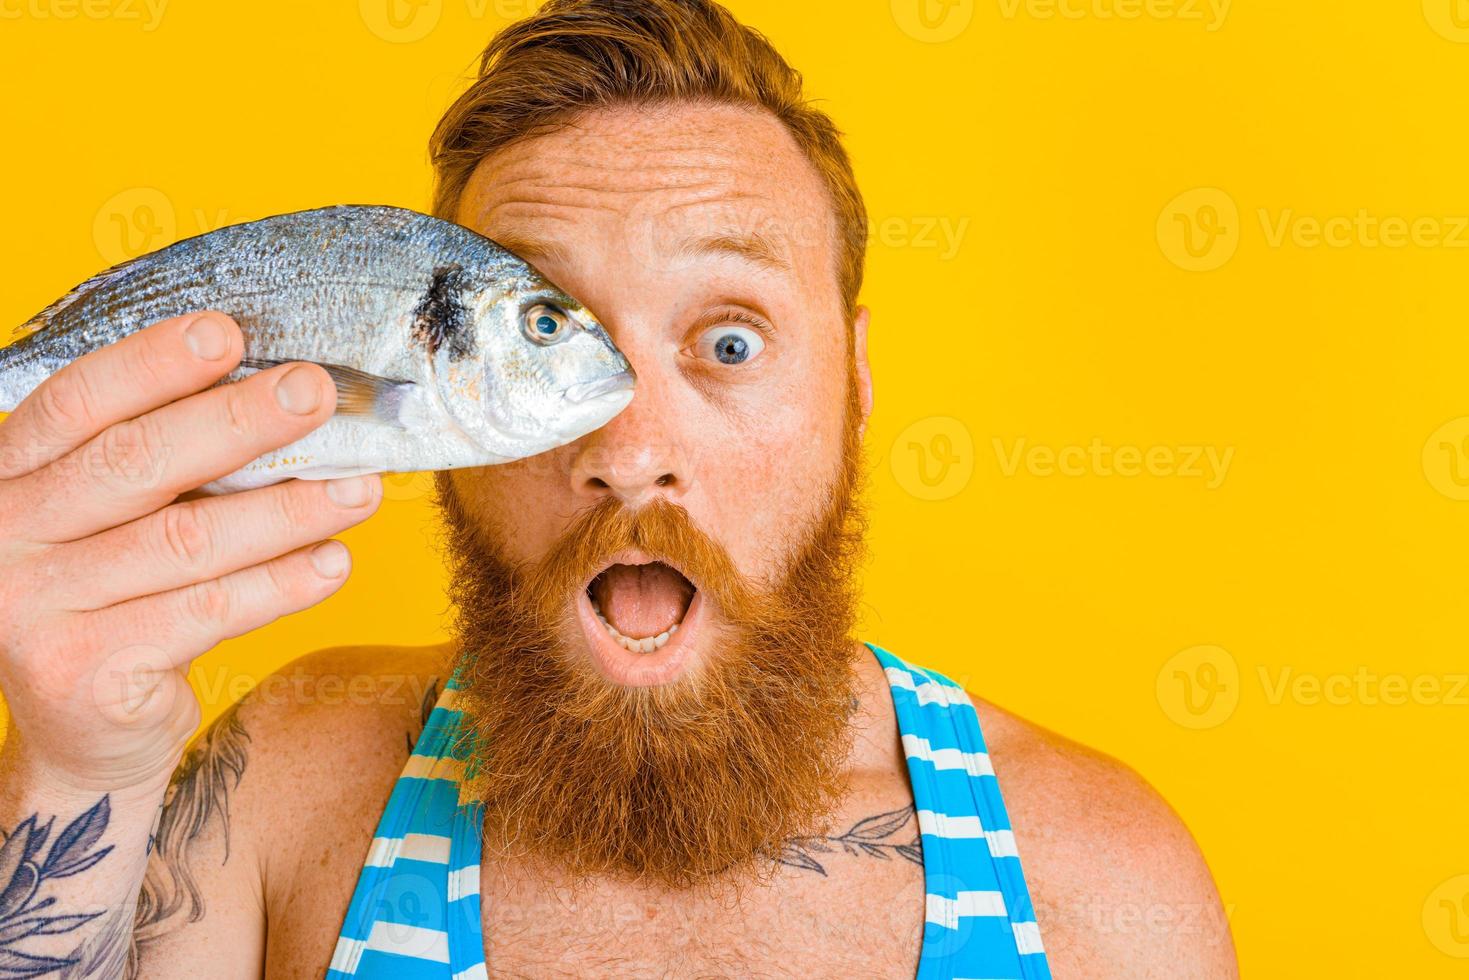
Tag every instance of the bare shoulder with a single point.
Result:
(1121, 888)
(359, 693)
(338, 723)
(273, 807)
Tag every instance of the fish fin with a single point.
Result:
(43, 319)
(359, 394)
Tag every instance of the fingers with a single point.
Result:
(137, 466)
(185, 623)
(144, 370)
(206, 538)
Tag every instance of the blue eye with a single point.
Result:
(546, 324)
(729, 344)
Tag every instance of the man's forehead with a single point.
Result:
(680, 178)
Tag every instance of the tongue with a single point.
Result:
(642, 600)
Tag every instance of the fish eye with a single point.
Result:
(546, 324)
(729, 344)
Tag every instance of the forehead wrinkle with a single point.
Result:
(619, 172)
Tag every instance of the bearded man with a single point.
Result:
(654, 746)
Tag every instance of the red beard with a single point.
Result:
(677, 783)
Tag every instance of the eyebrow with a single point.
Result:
(529, 247)
(755, 247)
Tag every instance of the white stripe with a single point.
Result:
(464, 882)
(476, 972)
(347, 955)
(974, 763)
(385, 851)
(425, 847)
(1027, 937)
(415, 941)
(928, 692)
(434, 767)
(1001, 842)
(946, 912)
(943, 825)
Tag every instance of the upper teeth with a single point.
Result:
(633, 644)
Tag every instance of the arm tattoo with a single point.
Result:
(26, 866)
(199, 793)
(870, 836)
(430, 698)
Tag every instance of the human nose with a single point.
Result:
(635, 457)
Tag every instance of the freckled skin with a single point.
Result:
(745, 449)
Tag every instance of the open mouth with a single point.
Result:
(641, 605)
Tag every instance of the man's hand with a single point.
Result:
(110, 586)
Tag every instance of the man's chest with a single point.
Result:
(860, 916)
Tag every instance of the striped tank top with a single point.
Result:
(415, 914)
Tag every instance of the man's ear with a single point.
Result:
(864, 370)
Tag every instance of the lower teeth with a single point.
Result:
(631, 644)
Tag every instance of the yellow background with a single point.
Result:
(1032, 279)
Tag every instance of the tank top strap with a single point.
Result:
(415, 913)
(979, 921)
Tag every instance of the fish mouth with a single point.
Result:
(610, 385)
(641, 616)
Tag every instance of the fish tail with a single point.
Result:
(21, 360)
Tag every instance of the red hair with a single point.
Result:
(573, 56)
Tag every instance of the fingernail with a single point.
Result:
(207, 338)
(298, 391)
(330, 559)
(352, 491)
